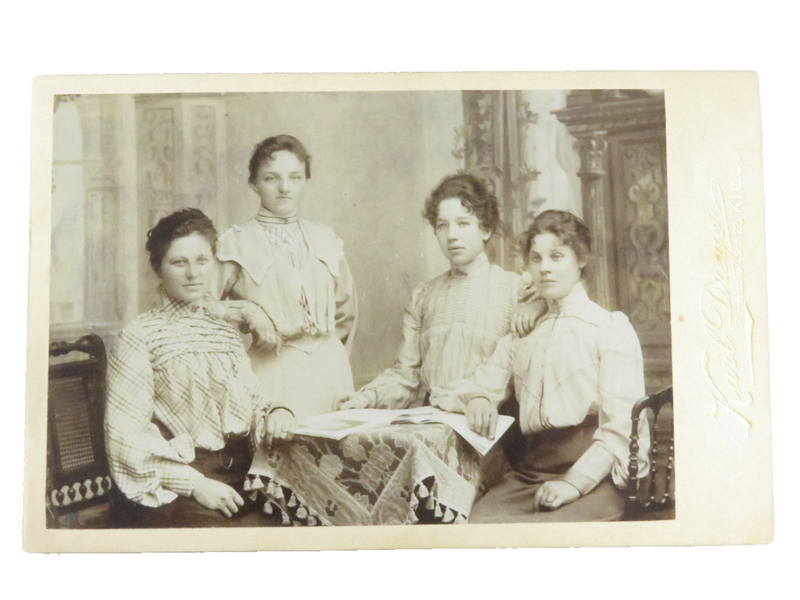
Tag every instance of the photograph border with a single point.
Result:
(713, 135)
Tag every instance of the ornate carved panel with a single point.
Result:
(498, 125)
(180, 143)
(203, 159)
(158, 169)
(646, 246)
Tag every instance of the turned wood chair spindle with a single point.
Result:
(652, 495)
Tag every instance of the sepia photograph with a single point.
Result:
(274, 310)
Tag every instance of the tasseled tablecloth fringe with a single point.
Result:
(293, 511)
(425, 498)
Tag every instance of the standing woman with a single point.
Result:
(295, 271)
(184, 408)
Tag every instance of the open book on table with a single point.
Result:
(337, 425)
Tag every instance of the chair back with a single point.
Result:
(78, 475)
(653, 495)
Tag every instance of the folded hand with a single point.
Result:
(554, 494)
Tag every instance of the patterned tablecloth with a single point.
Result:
(400, 474)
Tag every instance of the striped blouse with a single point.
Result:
(178, 378)
(580, 359)
(452, 325)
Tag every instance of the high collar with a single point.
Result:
(468, 269)
(267, 217)
(569, 304)
(173, 308)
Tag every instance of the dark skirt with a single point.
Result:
(229, 465)
(542, 457)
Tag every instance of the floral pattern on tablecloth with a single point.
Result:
(400, 474)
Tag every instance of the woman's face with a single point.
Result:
(459, 232)
(554, 266)
(280, 183)
(186, 268)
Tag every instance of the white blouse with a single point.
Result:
(452, 325)
(580, 359)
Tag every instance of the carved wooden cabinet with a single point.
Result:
(621, 139)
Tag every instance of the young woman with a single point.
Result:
(576, 378)
(295, 271)
(184, 408)
(455, 320)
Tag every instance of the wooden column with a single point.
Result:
(596, 210)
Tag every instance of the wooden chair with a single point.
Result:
(78, 475)
(652, 496)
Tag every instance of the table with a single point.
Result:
(400, 474)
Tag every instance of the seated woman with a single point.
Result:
(295, 272)
(576, 376)
(183, 404)
(455, 320)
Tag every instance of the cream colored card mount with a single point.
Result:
(665, 170)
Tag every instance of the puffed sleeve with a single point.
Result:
(620, 386)
(225, 275)
(493, 380)
(398, 386)
(346, 316)
(147, 468)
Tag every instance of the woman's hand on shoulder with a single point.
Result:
(280, 427)
(555, 494)
(482, 417)
(351, 400)
(215, 495)
(526, 316)
(257, 323)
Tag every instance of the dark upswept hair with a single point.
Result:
(264, 150)
(474, 195)
(571, 230)
(177, 225)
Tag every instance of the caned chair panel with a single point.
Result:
(78, 475)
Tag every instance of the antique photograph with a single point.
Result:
(377, 255)
(271, 310)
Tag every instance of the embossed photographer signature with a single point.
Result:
(727, 320)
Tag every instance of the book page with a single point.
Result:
(459, 423)
(337, 425)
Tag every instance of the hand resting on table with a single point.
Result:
(482, 417)
(351, 400)
(280, 427)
